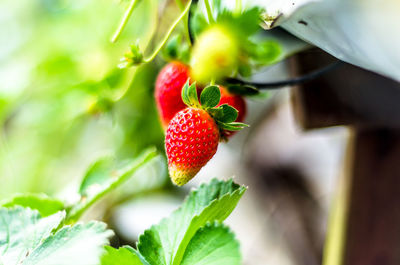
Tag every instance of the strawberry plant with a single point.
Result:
(38, 230)
(208, 56)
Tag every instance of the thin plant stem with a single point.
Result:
(179, 4)
(186, 22)
(124, 20)
(76, 213)
(171, 29)
(238, 6)
(209, 12)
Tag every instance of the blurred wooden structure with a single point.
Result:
(370, 104)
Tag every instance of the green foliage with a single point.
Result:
(104, 176)
(64, 99)
(27, 238)
(22, 230)
(213, 244)
(124, 255)
(166, 243)
(189, 95)
(245, 24)
(176, 49)
(210, 97)
(225, 113)
(40, 202)
(264, 52)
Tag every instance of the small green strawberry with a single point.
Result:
(193, 134)
(215, 54)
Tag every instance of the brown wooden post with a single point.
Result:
(370, 104)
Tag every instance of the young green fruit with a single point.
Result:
(215, 54)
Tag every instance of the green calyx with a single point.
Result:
(224, 115)
(132, 57)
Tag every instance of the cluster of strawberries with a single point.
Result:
(194, 127)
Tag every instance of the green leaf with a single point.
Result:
(265, 52)
(245, 24)
(79, 244)
(210, 97)
(189, 95)
(176, 49)
(104, 176)
(232, 126)
(198, 22)
(41, 202)
(22, 230)
(123, 256)
(213, 244)
(165, 243)
(224, 113)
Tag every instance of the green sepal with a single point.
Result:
(189, 95)
(132, 57)
(210, 97)
(232, 126)
(224, 113)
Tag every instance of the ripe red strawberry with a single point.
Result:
(193, 134)
(235, 101)
(191, 141)
(168, 90)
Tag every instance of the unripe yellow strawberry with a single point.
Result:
(215, 54)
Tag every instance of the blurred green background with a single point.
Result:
(63, 101)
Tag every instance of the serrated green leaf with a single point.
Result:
(79, 244)
(224, 113)
(41, 202)
(210, 97)
(105, 175)
(165, 243)
(213, 244)
(22, 230)
(123, 256)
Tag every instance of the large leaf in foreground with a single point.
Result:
(22, 230)
(124, 255)
(28, 239)
(80, 244)
(165, 243)
(213, 244)
(105, 175)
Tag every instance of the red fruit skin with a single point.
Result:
(235, 101)
(191, 141)
(168, 90)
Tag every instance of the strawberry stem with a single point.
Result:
(209, 12)
(170, 30)
(124, 20)
(238, 6)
